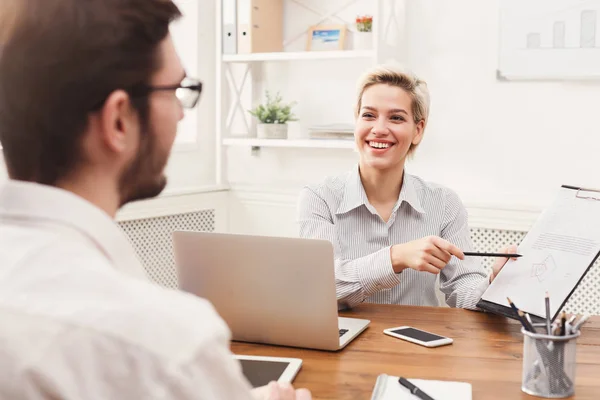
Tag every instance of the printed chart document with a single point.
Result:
(556, 254)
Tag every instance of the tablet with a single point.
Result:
(261, 370)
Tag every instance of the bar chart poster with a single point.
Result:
(549, 39)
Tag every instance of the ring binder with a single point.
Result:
(229, 26)
(259, 26)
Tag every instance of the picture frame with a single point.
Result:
(326, 37)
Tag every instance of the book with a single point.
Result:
(331, 131)
(349, 128)
(387, 387)
(331, 135)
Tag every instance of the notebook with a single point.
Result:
(388, 388)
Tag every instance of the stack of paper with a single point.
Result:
(331, 131)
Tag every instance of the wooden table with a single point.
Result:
(487, 352)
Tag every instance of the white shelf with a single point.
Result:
(299, 55)
(306, 143)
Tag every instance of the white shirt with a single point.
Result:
(338, 210)
(80, 320)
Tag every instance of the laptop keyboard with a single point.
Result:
(342, 331)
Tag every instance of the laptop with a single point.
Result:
(272, 290)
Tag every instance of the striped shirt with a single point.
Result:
(338, 210)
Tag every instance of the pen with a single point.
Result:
(579, 323)
(528, 318)
(475, 254)
(548, 314)
(563, 324)
(414, 390)
(570, 324)
(555, 329)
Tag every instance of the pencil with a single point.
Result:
(520, 316)
(512, 305)
(525, 322)
(548, 318)
(505, 255)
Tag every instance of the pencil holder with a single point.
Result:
(549, 364)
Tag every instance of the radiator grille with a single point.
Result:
(151, 238)
(585, 299)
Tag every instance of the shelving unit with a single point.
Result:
(293, 143)
(298, 55)
(240, 76)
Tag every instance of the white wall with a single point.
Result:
(505, 143)
(503, 146)
(192, 163)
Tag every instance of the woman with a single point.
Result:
(392, 232)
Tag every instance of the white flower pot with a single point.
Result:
(271, 131)
(363, 40)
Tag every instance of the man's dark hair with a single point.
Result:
(59, 60)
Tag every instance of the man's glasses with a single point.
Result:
(188, 91)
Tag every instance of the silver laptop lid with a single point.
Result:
(271, 290)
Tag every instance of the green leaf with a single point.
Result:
(274, 111)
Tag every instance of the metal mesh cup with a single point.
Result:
(549, 364)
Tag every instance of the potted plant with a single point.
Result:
(273, 117)
(363, 38)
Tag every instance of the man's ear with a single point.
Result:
(119, 121)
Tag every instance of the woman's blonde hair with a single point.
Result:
(395, 75)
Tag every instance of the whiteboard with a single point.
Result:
(549, 39)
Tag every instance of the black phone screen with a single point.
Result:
(260, 373)
(418, 334)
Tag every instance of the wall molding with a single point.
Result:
(511, 218)
(222, 198)
(180, 202)
(489, 216)
(250, 194)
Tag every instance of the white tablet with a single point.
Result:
(261, 370)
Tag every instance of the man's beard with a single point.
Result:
(144, 178)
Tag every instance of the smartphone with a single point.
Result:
(418, 336)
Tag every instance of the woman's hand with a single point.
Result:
(429, 254)
(500, 262)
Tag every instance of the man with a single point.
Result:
(90, 96)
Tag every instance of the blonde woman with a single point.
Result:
(393, 232)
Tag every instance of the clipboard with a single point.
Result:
(583, 194)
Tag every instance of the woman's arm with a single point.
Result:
(462, 281)
(356, 279)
